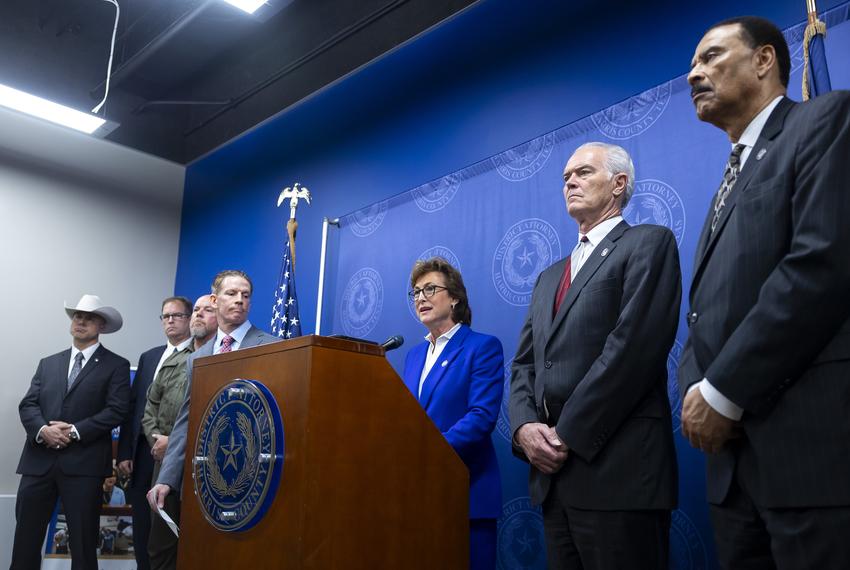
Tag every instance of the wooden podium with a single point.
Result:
(368, 481)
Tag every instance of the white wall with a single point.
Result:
(77, 215)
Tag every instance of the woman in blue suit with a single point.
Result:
(457, 376)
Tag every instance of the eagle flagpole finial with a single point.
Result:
(294, 194)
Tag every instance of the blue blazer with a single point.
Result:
(462, 395)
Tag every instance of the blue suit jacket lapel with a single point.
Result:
(414, 369)
(438, 371)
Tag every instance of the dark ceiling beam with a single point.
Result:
(340, 36)
(177, 103)
(156, 44)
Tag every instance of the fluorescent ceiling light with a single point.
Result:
(249, 6)
(38, 107)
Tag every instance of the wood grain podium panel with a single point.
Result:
(368, 481)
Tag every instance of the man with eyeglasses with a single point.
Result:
(134, 450)
(165, 396)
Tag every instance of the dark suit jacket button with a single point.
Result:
(548, 364)
(693, 317)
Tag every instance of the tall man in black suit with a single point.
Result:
(588, 405)
(75, 399)
(134, 452)
(231, 297)
(767, 363)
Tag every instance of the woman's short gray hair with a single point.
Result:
(617, 161)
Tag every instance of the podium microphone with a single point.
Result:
(393, 342)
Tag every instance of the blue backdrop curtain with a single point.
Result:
(503, 220)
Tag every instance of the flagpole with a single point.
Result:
(285, 320)
(815, 71)
(325, 223)
(291, 228)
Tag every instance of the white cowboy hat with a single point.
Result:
(93, 304)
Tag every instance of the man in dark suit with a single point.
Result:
(766, 368)
(134, 452)
(231, 297)
(588, 405)
(74, 401)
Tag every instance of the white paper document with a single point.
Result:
(169, 521)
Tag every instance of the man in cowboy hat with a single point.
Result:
(75, 399)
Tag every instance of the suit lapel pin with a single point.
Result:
(604, 252)
(761, 154)
(445, 363)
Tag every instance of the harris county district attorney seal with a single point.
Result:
(238, 456)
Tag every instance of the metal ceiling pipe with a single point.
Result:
(128, 67)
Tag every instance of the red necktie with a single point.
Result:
(563, 287)
(566, 280)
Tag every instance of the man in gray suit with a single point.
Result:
(231, 297)
(588, 404)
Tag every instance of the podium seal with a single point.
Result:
(238, 456)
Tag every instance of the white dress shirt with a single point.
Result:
(751, 134)
(723, 405)
(582, 250)
(434, 352)
(238, 336)
(87, 353)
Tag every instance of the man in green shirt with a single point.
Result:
(165, 397)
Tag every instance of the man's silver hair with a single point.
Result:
(617, 161)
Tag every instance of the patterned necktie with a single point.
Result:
(730, 175)
(226, 344)
(75, 370)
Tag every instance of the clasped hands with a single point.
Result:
(57, 434)
(542, 446)
(703, 426)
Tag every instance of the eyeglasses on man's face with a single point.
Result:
(175, 316)
(428, 290)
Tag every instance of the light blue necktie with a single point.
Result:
(75, 370)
